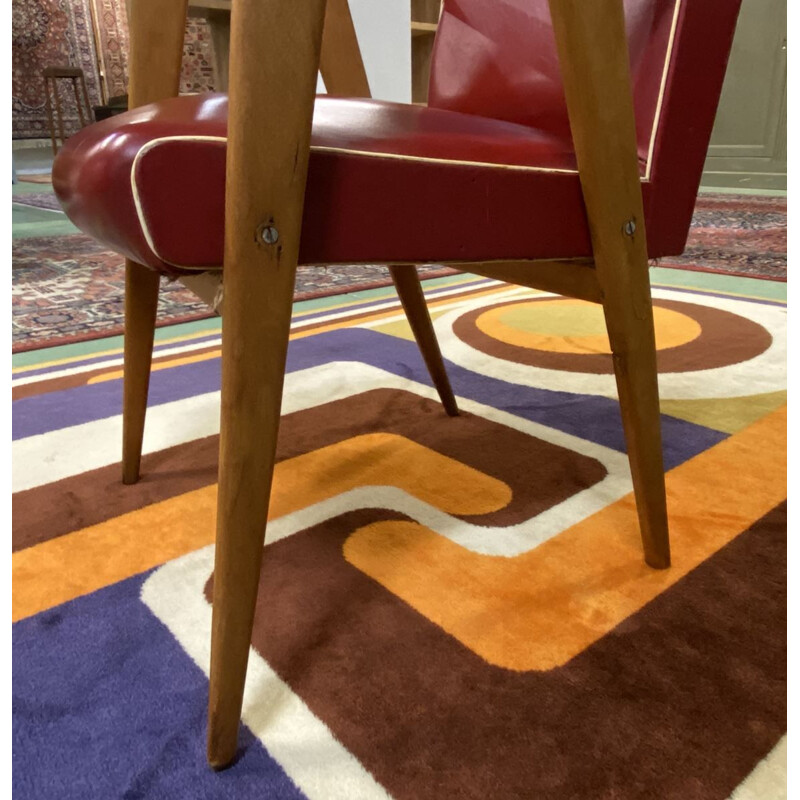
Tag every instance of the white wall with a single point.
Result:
(383, 33)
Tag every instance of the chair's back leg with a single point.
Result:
(78, 102)
(409, 289)
(156, 47)
(85, 93)
(343, 71)
(141, 301)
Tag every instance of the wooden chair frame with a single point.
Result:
(277, 48)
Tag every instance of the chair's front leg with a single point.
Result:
(255, 338)
(593, 57)
(275, 52)
(141, 302)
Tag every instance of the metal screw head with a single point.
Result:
(269, 235)
(629, 228)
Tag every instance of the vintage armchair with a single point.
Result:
(556, 135)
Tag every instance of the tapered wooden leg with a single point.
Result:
(634, 353)
(409, 288)
(254, 342)
(141, 301)
(273, 74)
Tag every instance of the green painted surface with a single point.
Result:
(730, 414)
(25, 187)
(663, 277)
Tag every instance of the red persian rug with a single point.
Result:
(47, 33)
(742, 235)
(70, 289)
(197, 73)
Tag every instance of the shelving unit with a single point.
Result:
(424, 21)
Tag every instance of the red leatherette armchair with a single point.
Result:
(557, 134)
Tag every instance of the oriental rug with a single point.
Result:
(72, 289)
(49, 33)
(450, 607)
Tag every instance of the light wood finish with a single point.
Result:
(156, 37)
(409, 288)
(593, 57)
(340, 61)
(571, 278)
(341, 64)
(423, 28)
(217, 13)
(207, 286)
(141, 302)
(156, 31)
(273, 72)
(343, 72)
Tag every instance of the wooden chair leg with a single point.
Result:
(255, 335)
(409, 288)
(634, 353)
(269, 133)
(141, 302)
(48, 104)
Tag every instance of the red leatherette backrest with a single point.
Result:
(498, 58)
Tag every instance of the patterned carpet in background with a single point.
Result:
(738, 235)
(461, 613)
(48, 33)
(70, 288)
(45, 200)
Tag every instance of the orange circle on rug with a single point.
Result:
(724, 338)
(563, 325)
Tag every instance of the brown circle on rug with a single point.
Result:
(725, 338)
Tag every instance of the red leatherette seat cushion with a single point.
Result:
(387, 182)
(488, 173)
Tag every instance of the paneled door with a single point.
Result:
(748, 145)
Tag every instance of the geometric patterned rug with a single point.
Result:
(462, 612)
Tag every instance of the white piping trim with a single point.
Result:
(369, 154)
(454, 161)
(662, 90)
(137, 202)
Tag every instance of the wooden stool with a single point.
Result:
(75, 74)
